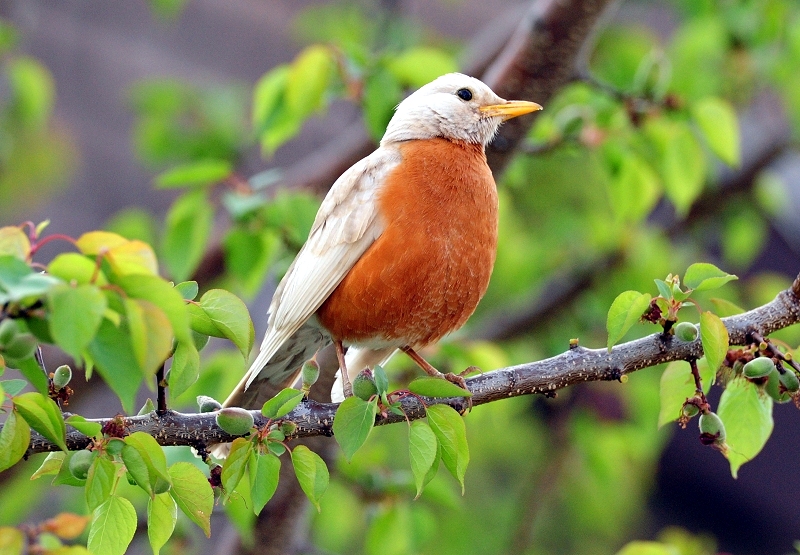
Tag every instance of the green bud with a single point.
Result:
(685, 331)
(79, 463)
(364, 385)
(235, 421)
(712, 430)
(310, 373)
(62, 376)
(8, 329)
(288, 427)
(790, 381)
(758, 368)
(207, 404)
(21, 346)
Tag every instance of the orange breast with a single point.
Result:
(423, 277)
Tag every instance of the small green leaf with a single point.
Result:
(188, 227)
(13, 387)
(264, 473)
(422, 450)
(32, 372)
(185, 368)
(268, 97)
(309, 77)
(162, 294)
(99, 482)
(717, 120)
(89, 429)
(194, 174)
(230, 316)
(451, 432)
(634, 189)
(32, 91)
(188, 290)
(677, 385)
(14, 439)
(235, 464)
(703, 276)
(14, 242)
(437, 387)
(724, 308)
(683, 166)
(747, 414)
(113, 357)
(193, 494)
(152, 454)
(353, 422)
(43, 415)
(311, 472)
(137, 468)
(625, 311)
(381, 379)
(382, 93)
(112, 528)
(282, 404)
(664, 290)
(151, 334)
(162, 514)
(714, 337)
(50, 465)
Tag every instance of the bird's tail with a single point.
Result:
(265, 379)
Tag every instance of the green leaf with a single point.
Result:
(420, 65)
(188, 227)
(747, 414)
(89, 429)
(437, 387)
(14, 242)
(194, 174)
(112, 355)
(13, 387)
(43, 415)
(309, 78)
(423, 448)
(235, 464)
(14, 439)
(112, 528)
(152, 454)
(664, 290)
(625, 311)
(382, 93)
(451, 432)
(31, 370)
(185, 368)
(684, 168)
(230, 316)
(724, 308)
(64, 476)
(50, 465)
(381, 379)
(188, 290)
(162, 294)
(32, 91)
(151, 334)
(714, 337)
(137, 468)
(634, 189)
(264, 473)
(72, 266)
(99, 482)
(353, 422)
(311, 472)
(282, 404)
(647, 548)
(19, 283)
(249, 255)
(717, 120)
(162, 514)
(703, 276)
(193, 494)
(268, 97)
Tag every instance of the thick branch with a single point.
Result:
(577, 365)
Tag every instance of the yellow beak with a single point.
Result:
(510, 109)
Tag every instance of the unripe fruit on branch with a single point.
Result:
(79, 463)
(712, 430)
(207, 404)
(62, 376)
(686, 331)
(364, 385)
(758, 368)
(235, 421)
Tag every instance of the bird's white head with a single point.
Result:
(453, 106)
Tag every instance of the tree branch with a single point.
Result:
(577, 365)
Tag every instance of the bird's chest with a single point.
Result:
(423, 277)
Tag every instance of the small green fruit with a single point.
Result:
(364, 385)
(712, 430)
(790, 381)
(288, 427)
(772, 388)
(207, 404)
(235, 421)
(8, 329)
(685, 331)
(62, 376)
(758, 368)
(310, 373)
(79, 463)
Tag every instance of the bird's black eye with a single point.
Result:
(464, 94)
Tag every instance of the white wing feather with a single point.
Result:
(346, 225)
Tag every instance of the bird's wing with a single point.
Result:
(346, 225)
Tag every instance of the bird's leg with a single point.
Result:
(431, 371)
(340, 352)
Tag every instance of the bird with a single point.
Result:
(401, 249)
